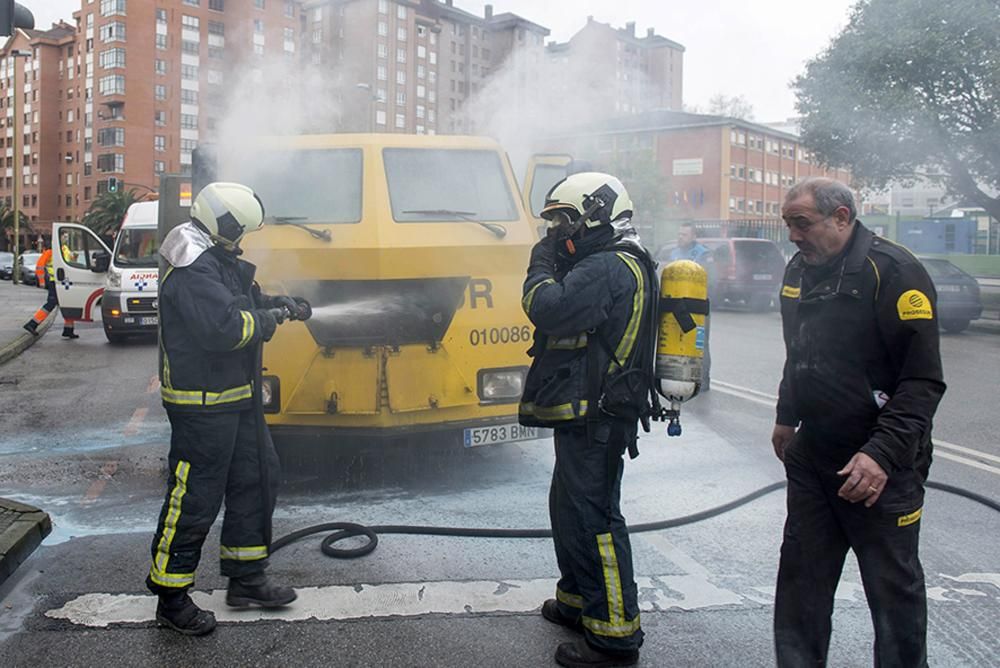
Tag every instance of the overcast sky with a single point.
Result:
(734, 47)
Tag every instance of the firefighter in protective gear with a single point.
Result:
(213, 321)
(587, 292)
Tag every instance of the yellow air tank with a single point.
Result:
(680, 344)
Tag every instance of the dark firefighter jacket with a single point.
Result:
(209, 333)
(606, 294)
(864, 335)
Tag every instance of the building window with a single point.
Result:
(400, 55)
(383, 52)
(421, 90)
(258, 49)
(259, 4)
(160, 117)
(112, 58)
(190, 47)
(383, 28)
(217, 5)
(214, 77)
(111, 137)
(160, 66)
(111, 85)
(289, 9)
(189, 96)
(401, 77)
(190, 22)
(189, 121)
(111, 162)
(401, 34)
(193, 3)
(420, 111)
(383, 6)
(161, 15)
(400, 120)
(216, 53)
(159, 143)
(189, 72)
(401, 12)
(160, 92)
(113, 32)
(382, 73)
(159, 166)
(380, 117)
(161, 42)
(216, 28)
(112, 7)
(400, 98)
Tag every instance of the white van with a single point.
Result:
(129, 302)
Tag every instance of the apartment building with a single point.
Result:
(711, 167)
(129, 90)
(410, 65)
(634, 74)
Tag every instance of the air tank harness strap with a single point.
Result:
(683, 308)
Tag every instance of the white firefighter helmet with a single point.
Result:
(228, 211)
(590, 198)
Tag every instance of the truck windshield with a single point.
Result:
(423, 183)
(136, 247)
(308, 185)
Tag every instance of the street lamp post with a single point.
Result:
(18, 110)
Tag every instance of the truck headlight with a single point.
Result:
(501, 385)
(270, 394)
(114, 278)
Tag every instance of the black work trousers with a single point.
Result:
(214, 457)
(819, 530)
(591, 540)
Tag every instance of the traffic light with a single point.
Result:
(13, 15)
(112, 184)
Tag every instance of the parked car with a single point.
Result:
(958, 295)
(745, 272)
(6, 265)
(27, 262)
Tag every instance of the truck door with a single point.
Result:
(80, 260)
(544, 171)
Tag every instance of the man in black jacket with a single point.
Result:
(862, 380)
(588, 283)
(213, 321)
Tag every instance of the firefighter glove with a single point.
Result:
(267, 320)
(543, 256)
(303, 310)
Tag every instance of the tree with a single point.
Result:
(106, 213)
(910, 85)
(735, 106)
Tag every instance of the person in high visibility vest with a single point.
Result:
(45, 271)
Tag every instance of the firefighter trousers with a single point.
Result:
(591, 540)
(214, 457)
(819, 530)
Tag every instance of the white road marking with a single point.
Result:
(684, 592)
(770, 400)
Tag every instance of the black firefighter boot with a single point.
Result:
(68, 333)
(551, 612)
(578, 654)
(255, 589)
(178, 612)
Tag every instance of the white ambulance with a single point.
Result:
(125, 280)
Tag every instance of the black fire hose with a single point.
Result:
(343, 530)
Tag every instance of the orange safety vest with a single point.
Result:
(44, 266)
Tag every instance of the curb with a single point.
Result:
(22, 529)
(26, 340)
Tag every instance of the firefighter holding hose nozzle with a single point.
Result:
(213, 323)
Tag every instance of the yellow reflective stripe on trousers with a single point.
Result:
(625, 346)
(530, 297)
(158, 572)
(560, 412)
(252, 553)
(572, 600)
(199, 398)
(616, 626)
(248, 329)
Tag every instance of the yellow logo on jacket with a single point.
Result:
(907, 520)
(914, 305)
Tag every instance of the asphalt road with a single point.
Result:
(82, 436)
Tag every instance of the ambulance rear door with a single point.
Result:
(80, 260)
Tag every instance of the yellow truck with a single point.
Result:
(412, 252)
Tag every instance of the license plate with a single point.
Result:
(149, 320)
(762, 277)
(500, 433)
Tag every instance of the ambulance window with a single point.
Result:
(546, 176)
(137, 247)
(422, 181)
(314, 185)
(74, 245)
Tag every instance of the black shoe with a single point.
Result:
(256, 590)
(69, 333)
(178, 612)
(551, 612)
(31, 327)
(578, 654)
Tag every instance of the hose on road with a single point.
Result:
(343, 530)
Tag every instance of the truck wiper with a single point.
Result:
(322, 235)
(469, 216)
